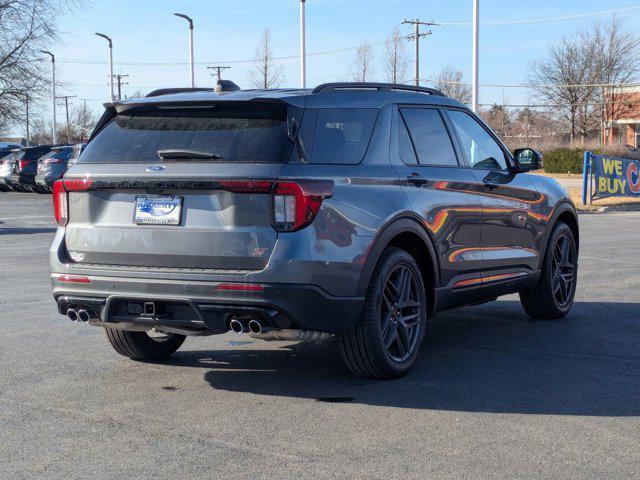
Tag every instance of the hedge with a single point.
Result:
(564, 160)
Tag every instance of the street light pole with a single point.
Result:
(108, 39)
(26, 101)
(303, 46)
(54, 136)
(474, 66)
(191, 70)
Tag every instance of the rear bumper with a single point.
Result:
(23, 180)
(205, 309)
(45, 180)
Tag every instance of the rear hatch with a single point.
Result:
(180, 187)
(55, 160)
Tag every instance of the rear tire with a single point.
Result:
(386, 342)
(552, 297)
(141, 346)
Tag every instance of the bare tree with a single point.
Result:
(450, 81)
(562, 80)
(396, 58)
(362, 66)
(266, 74)
(26, 27)
(616, 60)
(81, 123)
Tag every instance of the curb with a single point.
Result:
(611, 209)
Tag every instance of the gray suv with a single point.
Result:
(353, 210)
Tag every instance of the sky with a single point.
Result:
(151, 45)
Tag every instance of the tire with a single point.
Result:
(374, 351)
(552, 297)
(141, 346)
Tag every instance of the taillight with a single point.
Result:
(61, 197)
(296, 203)
(51, 160)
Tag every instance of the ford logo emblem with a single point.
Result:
(156, 168)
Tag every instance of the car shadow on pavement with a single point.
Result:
(490, 358)
(26, 231)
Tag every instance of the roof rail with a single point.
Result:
(367, 86)
(168, 91)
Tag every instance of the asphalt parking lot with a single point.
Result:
(494, 395)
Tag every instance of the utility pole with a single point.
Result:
(66, 108)
(218, 71)
(474, 65)
(303, 46)
(119, 77)
(26, 101)
(54, 136)
(416, 37)
(66, 103)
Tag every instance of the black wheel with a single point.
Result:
(144, 345)
(386, 342)
(552, 297)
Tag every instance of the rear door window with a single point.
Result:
(237, 133)
(429, 135)
(342, 135)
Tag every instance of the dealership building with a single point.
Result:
(623, 126)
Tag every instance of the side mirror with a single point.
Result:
(527, 159)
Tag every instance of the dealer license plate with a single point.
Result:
(158, 210)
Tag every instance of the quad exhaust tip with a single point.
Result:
(237, 326)
(80, 315)
(255, 326)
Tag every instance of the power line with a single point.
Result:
(536, 21)
(539, 85)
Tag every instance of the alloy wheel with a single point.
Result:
(401, 313)
(563, 271)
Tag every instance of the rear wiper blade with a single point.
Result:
(175, 154)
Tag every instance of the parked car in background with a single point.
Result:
(51, 166)
(6, 148)
(6, 169)
(25, 166)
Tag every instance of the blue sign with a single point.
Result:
(614, 177)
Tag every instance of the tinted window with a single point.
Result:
(429, 135)
(254, 133)
(482, 151)
(342, 135)
(405, 146)
(63, 154)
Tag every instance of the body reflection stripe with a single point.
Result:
(492, 278)
(453, 257)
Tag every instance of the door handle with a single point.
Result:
(489, 185)
(417, 180)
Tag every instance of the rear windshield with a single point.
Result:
(252, 133)
(64, 154)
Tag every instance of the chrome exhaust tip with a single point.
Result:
(72, 314)
(83, 315)
(255, 326)
(237, 326)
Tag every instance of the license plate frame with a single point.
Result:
(158, 210)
